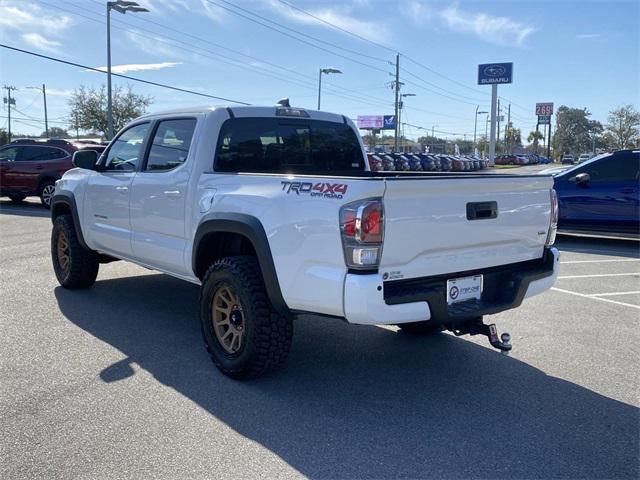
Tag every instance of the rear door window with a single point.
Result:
(272, 145)
(171, 144)
(40, 154)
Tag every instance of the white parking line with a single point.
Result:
(603, 261)
(613, 294)
(601, 275)
(595, 298)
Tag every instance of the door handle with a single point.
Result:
(122, 189)
(173, 193)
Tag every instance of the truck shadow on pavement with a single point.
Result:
(23, 209)
(366, 402)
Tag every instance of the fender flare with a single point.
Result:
(251, 228)
(66, 197)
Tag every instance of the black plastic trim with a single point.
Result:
(230, 112)
(251, 228)
(504, 288)
(66, 197)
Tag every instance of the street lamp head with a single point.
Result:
(330, 70)
(408, 95)
(482, 113)
(122, 6)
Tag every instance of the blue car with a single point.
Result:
(601, 195)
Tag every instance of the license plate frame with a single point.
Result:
(462, 289)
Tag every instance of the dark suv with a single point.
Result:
(31, 167)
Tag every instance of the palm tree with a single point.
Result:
(535, 136)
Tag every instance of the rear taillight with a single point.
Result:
(553, 224)
(362, 229)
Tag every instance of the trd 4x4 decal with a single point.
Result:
(321, 189)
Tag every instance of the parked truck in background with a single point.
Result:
(275, 213)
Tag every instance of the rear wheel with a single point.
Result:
(16, 197)
(75, 266)
(243, 333)
(47, 189)
(420, 328)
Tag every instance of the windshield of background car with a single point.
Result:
(278, 145)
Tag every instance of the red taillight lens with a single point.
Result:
(362, 227)
(369, 219)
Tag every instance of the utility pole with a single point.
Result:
(549, 143)
(397, 89)
(9, 101)
(46, 120)
(498, 138)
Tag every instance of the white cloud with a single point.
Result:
(416, 11)
(339, 16)
(38, 27)
(137, 67)
(500, 30)
(195, 7)
(589, 35)
(38, 41)
(152, 45)
(57, 92)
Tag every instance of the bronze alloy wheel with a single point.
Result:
(62, 250)
(228, 319)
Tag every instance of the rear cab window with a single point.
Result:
(287, 145)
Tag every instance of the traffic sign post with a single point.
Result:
(494, 74)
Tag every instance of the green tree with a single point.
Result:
(534, 137)
(574, 132)
(622, 126)
(55, 132)
(4, 136)
(89, 108)
(512, 139)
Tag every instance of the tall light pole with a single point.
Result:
(326, 71)
(120, 6)
(475, 126)
(44, 98)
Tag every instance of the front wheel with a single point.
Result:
(75, 266)
(17, 197)
(244, 335)
(47, 189)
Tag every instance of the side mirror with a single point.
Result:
(87, 159)
(581, 179)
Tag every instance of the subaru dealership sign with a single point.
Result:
(494, 73)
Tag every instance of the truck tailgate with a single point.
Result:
(441, 225)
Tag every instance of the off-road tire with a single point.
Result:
(47, 187)
(419, 328)
(17, 197)
(267, 333)
(81, 269)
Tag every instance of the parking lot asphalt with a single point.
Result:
(114, 382)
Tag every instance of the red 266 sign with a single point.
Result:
(544, 108)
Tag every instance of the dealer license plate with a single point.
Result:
(465, 288)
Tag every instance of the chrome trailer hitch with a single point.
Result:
(478, 327)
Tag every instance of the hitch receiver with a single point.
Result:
(477, 327)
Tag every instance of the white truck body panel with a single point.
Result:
(154, 222)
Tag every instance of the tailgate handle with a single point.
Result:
(482, 210)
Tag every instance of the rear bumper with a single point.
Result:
(369, 300)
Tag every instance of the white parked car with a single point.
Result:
(584, 157)
(274, 213)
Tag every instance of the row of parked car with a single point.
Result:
(32, 166)
(424, 162)
(522, 159)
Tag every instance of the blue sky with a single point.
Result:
(577, 53)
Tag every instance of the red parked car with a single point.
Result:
(31, 167)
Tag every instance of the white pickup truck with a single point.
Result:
(274, 212)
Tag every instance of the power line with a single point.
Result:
(133, 79)
(337, 27)
(292, 36)
(363, 98)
